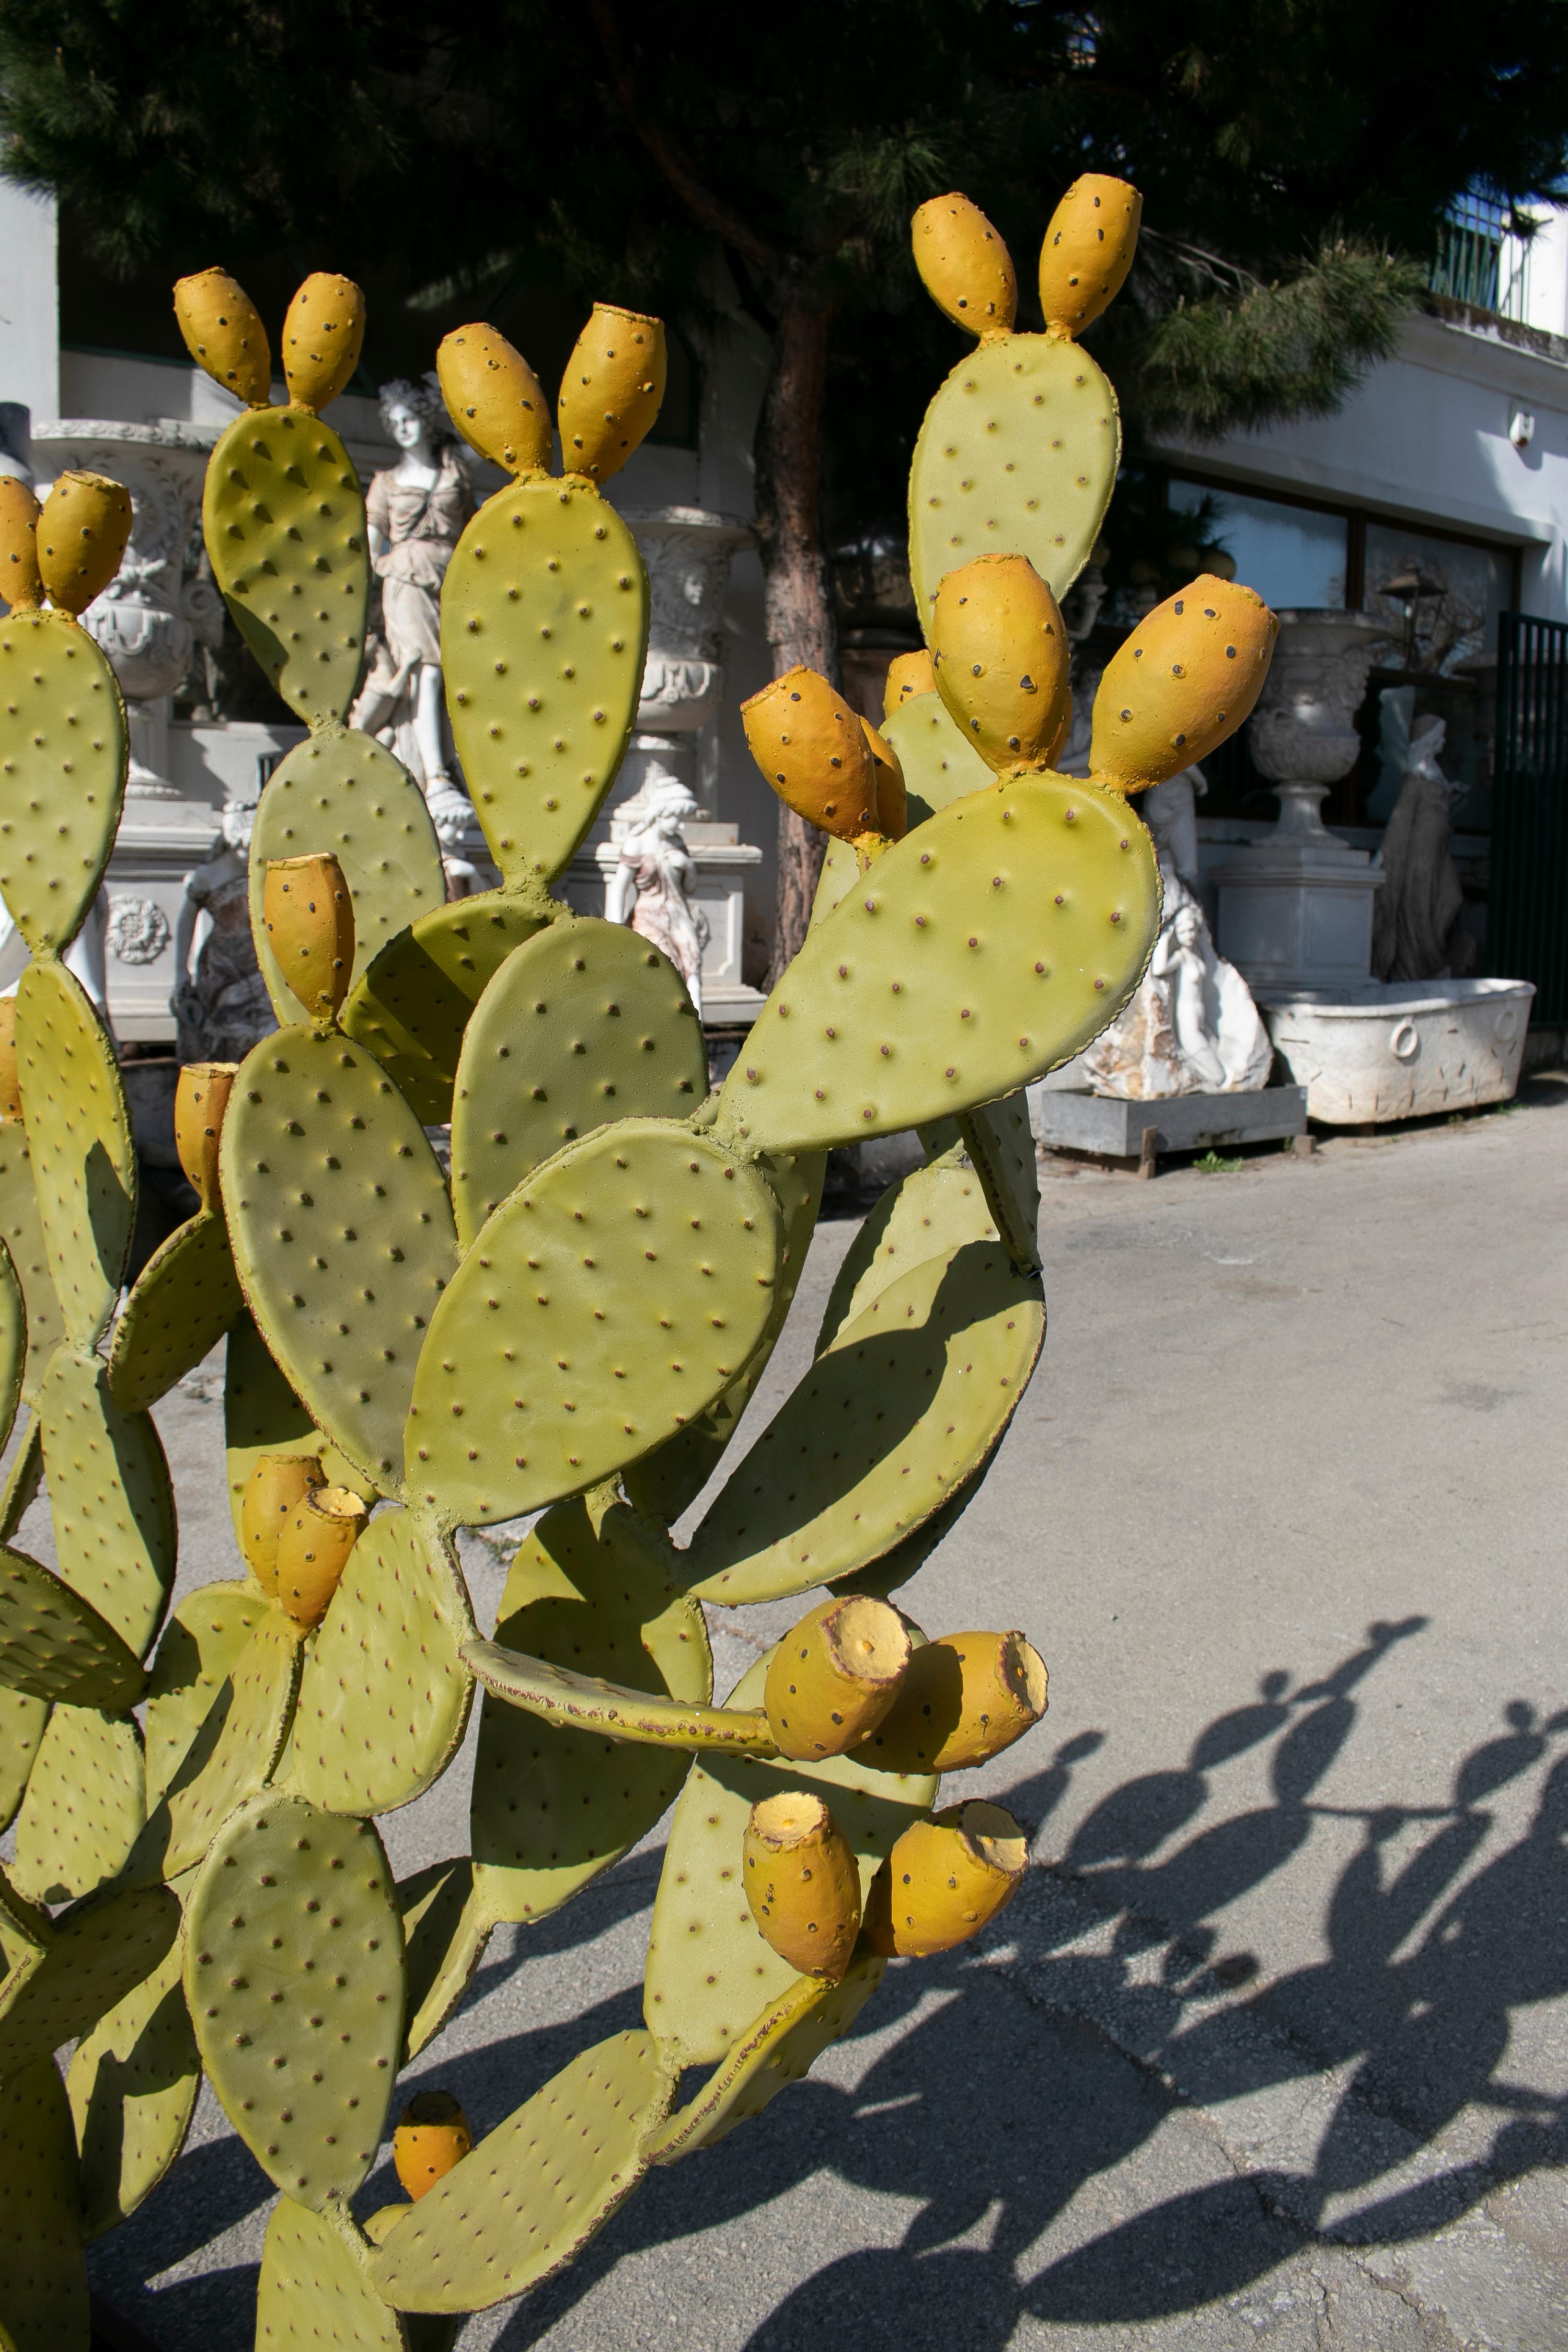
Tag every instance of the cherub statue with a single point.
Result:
(651, 888)
(220, 1005)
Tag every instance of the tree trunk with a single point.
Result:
(797, 596)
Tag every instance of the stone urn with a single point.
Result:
(1295, 903)
(159, 602)
(687, 552)
(1302, 734)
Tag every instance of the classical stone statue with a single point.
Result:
(415, 511)
(1190, 1026)
(1416, 932)
(651, 887)
(220, 1005)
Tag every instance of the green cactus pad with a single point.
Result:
(1000, 1143)
(879, 1579)
(775, 2050)
(553, 1807)
(413, 1005)
(132, 2087)
(992, 943)
(22, 1230)
(584, 1703)
(43, 2278)
(12, 1343)
(232, 1755)
(84, 1806)
(313, 2295)
(200, 1647)
(922, 1216)
(64, 751)
(283, 515)
(426, 2331)
(294, 1977)
(543, 637)
(55, 1645)
(907, 1403)
(183, 1300)
(79, 1134)
(261, 1413)
(939, 761)
(584, 1024)
(534, 2190)
(23, 1480)
(22, 1721)
(664, 1482)
(710, 1973)
(110, 1495)
(342, 1232)
(841, 870)
(383, 1699)
(1016, 455)
(637, 1268)
(446, 1929)
(347, 795)
(99, 1950)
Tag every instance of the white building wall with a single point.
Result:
(29, 307)
(1425, 440)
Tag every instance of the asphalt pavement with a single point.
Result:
(1273, 2049)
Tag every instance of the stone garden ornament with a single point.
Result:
(569, 1325)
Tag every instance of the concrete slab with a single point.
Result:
(1068, 1121)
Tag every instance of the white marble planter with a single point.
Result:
(1400, 1050)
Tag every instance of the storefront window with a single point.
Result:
(1290, 555)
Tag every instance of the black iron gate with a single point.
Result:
(1526, 914)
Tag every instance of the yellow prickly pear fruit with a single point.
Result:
(803, 1883)
(967, 270)
(81, 535)
(611, 392)
(1087, 251)
(278, 1485)
(21, 582)
(812, 749)
(964, 1698)
(1002, 658)
(908, 675)
(323, 332)
(893, 810)
(10, 1092)
(834, 1675)
(945, 1879)
(309, 919)
(201, 1098)
(224, 334)
(313, 1550)
(432, 2135)
(1186, 679)
(494, 399)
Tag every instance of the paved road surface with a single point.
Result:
(1273, 2050)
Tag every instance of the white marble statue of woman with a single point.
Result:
(416, 511)
(220, 1004)
(1178, 965)
(651, 888)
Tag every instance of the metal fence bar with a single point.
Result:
(1527, 922)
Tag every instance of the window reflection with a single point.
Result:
(1290, 555)
(1440, 597)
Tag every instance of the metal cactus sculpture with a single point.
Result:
(569, 1324)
